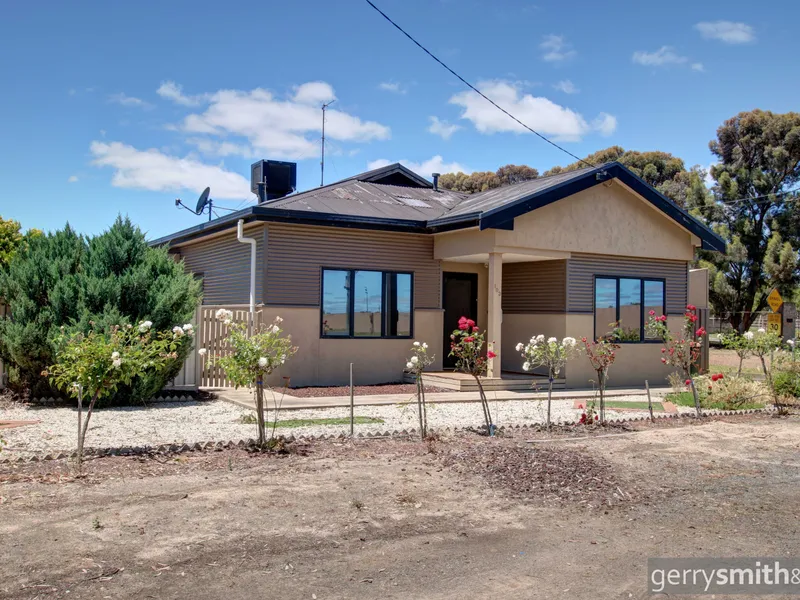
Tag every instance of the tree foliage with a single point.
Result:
(63, 279)
(480, 181)
(11, 238)
(665, 172)
(759, 161)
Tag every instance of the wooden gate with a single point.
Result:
(211, 335)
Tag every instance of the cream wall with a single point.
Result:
(634, 362)
(521, 328)
(604, 219)
(327, 361)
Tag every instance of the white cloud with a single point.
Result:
(156, 171)
(314, 92)
(125, 100)
(72, 179)
(279, 128)
(726, 31)
(221, 148)
(566, 86)
(698, 67)
(435, 164)
(556, 49)
(442, 128)
(541, 114)
(605, 124)
(392, 86)
(172, 91)
(665, 55)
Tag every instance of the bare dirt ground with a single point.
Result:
(729, 359)
(463, 517)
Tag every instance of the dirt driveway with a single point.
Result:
(405, 520)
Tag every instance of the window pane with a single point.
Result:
(653, 300)
(605, 305)
(400, 315)
(368, 303)
(335, 303)
(630, 310)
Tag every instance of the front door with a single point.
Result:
(459, 298)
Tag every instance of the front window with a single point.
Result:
(378, 304)
(622, 305)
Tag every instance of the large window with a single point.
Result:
(623, 304)
(366, 304)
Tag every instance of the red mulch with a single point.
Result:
(408, 389)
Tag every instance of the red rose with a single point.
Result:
(469, 339)
(490, 354)
(688, 382)
(652, 313)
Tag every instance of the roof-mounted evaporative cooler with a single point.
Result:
(272, 179)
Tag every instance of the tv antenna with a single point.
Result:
(322, 162)
(202, 202)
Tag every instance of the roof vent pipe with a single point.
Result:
(435, 181)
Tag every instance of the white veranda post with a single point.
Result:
(252, 242)
(495, 323)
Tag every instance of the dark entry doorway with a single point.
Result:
(459, 298)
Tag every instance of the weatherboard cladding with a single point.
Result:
(582, 268)
(224, 263)
(535, 287)
(296, 255)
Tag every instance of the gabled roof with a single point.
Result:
(395, 198)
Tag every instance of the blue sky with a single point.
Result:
(121, 107)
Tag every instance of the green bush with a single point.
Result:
(63, 279)
(787, 383)
(724, 393)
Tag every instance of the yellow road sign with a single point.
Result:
(774, 300)
(774, 323)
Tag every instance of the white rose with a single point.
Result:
(275, 329)
(539, 338)
(520, 346)
(117, 363)
(262, 362)
(202, 352)
(409, 365)
(748, 335)
(114, 355)
(425, 345)
(570, 341)
(526, 366)
(416, 344)
(790, 342)
(188, 328)
(552, 340)
(177, 330)
(414, 359)
(762, 330)
(144, 326)
(278, 320)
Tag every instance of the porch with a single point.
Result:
(507, 382)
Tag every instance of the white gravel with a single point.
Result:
(191, 422)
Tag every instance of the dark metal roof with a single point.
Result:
(358, 198)
(363, 202)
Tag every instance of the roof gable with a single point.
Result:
(394, 174)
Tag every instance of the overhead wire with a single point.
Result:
(476, 90)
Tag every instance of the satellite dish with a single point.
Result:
(202, 201)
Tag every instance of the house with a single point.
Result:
(360, 267)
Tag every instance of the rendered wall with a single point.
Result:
(327, 361)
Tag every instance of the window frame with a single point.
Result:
(351, 305)
(643, 317)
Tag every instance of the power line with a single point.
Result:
(474, 89)
(754, 198)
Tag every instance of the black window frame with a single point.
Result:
(351, 305)
(642, 317)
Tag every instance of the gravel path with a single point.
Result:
(190, 422)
